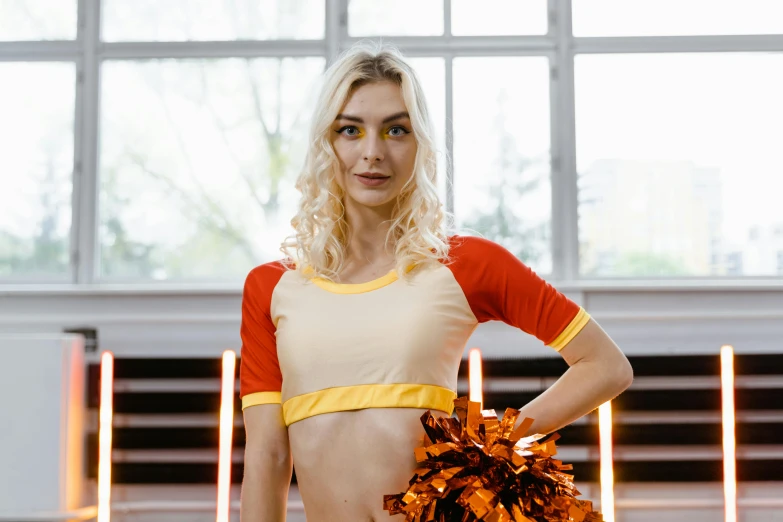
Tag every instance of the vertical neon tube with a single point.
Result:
(475, 377)
(226, 436)
(729, 439)
(104, 437)
(607, 461)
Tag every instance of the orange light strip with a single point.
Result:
(104, 436)
(607, 461)
(729, 439)
(475, 377)
(226, 435)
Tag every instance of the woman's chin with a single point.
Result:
(373, 199)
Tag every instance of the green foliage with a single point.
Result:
(513, 177)
(645, 264)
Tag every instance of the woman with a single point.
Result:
(361, 330)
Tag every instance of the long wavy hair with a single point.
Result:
(419, 222)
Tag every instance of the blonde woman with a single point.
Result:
(360, 330)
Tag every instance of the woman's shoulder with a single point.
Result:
(478, 258)
(473, 247)
(268, 274)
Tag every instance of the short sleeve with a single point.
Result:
(260, 379)
(500, 287)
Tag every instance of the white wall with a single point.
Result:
(655, 318)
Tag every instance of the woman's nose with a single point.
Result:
(374, 148)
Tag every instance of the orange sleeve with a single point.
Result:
(500, 287)
(260, 379)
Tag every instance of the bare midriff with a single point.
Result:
(347, 461)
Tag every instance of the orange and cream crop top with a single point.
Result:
(318, 347)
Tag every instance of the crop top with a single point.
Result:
(317, 347)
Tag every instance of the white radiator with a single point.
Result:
(42, 416)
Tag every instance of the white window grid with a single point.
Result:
(559, 45)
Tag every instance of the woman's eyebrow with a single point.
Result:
(357, 119)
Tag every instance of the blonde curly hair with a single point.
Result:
(419, 221)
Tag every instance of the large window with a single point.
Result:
(211, 20)
(30, 20)
(36, 169)
(676, 17)
(499, 17)
(502, 187)
(198, 161)
(679, 162)
(373, 18)
(432, 75)
(161, 140)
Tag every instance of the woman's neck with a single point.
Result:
(367, 233)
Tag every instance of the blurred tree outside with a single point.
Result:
(514, 176)
(217, 229)
(647, 264)
(242, 115)
(121, 254)
(46, 252)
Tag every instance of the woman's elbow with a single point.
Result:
(624, 374)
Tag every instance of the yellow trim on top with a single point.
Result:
(254, 399)
(355, 288)
(573, 328)
(346, 398)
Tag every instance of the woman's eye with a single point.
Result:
(402, 131)
(355, 131)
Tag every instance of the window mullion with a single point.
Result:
(336, 28)
(565, 215)
(449, 129)
(85, 193)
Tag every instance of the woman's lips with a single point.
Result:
(372, 181)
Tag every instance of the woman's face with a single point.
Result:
(374, 141)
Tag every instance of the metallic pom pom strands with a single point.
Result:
(478, 468)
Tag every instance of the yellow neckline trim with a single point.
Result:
(356, 288)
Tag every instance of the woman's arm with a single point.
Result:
(268, 465)
(500, 287)
(598, 372)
